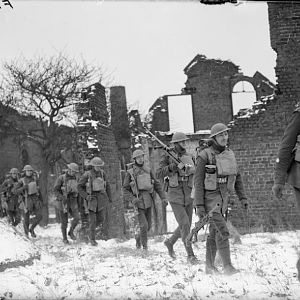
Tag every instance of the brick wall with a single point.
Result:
(120, 122)
(212, 100)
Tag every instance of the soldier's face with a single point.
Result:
(71, 172)
(97, 169)
(222, 138)
(28, 173)
(140, 159)
(14, 175)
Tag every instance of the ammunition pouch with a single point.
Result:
(32, 188)
(144, 182)
(98, 184)
(210, 181)
(226, 163)
(71, 186)
(173, 180)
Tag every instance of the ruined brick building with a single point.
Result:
(256, 136)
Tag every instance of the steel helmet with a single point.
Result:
(28, 168)
(137, 153)
(179, 137)
(74, 167)
(14, 171)
(218, 128)
(96, 162)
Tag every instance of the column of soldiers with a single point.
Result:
(212, 177)
(87, 195)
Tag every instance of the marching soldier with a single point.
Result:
(179, 192)
(139, 186)
(66, 191)
(95, 190)
(215, 178)
(31, 201)
(10, 199)
(287, 168)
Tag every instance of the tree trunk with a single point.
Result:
(44, 192)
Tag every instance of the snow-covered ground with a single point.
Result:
(116, 270)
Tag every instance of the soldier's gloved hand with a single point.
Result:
(164, 201)
(135, 201)
(200, 211)
(173, 167)
(245, 204)
(277, 190)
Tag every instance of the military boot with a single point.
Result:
(225, 256)
(211, 251)
(31, 230)
(298, 268)
(191, 258)
(138, 244)
(170, 248)
(64, 234)
(71, 234)
(94, 243)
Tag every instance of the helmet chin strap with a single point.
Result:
(139, 165)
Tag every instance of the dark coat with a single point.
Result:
(206, 198)
(145, 198)
(98, 200)
(284, 160)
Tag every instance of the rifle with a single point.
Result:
(181, 165)
(65, 195)
(192, 236)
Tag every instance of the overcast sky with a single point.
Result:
(144, 45)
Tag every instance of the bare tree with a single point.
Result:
(48, 89)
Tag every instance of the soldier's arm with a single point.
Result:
(4, 186)
(108, 188)
(199, 181)
(57, 187)
(287, 144)
(165, 167)
(127, 191)
(19, 188)
(239, 187)
(157, 186)
(82, 185)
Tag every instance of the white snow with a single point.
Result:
(116, 270)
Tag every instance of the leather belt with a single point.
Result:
(183, 178)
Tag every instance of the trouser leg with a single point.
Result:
(182, 215)
(92, 225)
(64, 224)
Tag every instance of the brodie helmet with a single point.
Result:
(96, 162)
(14, 171)
(28, 168)
(74, 167)
(137, 153)
(218, 128)
(179, 137)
